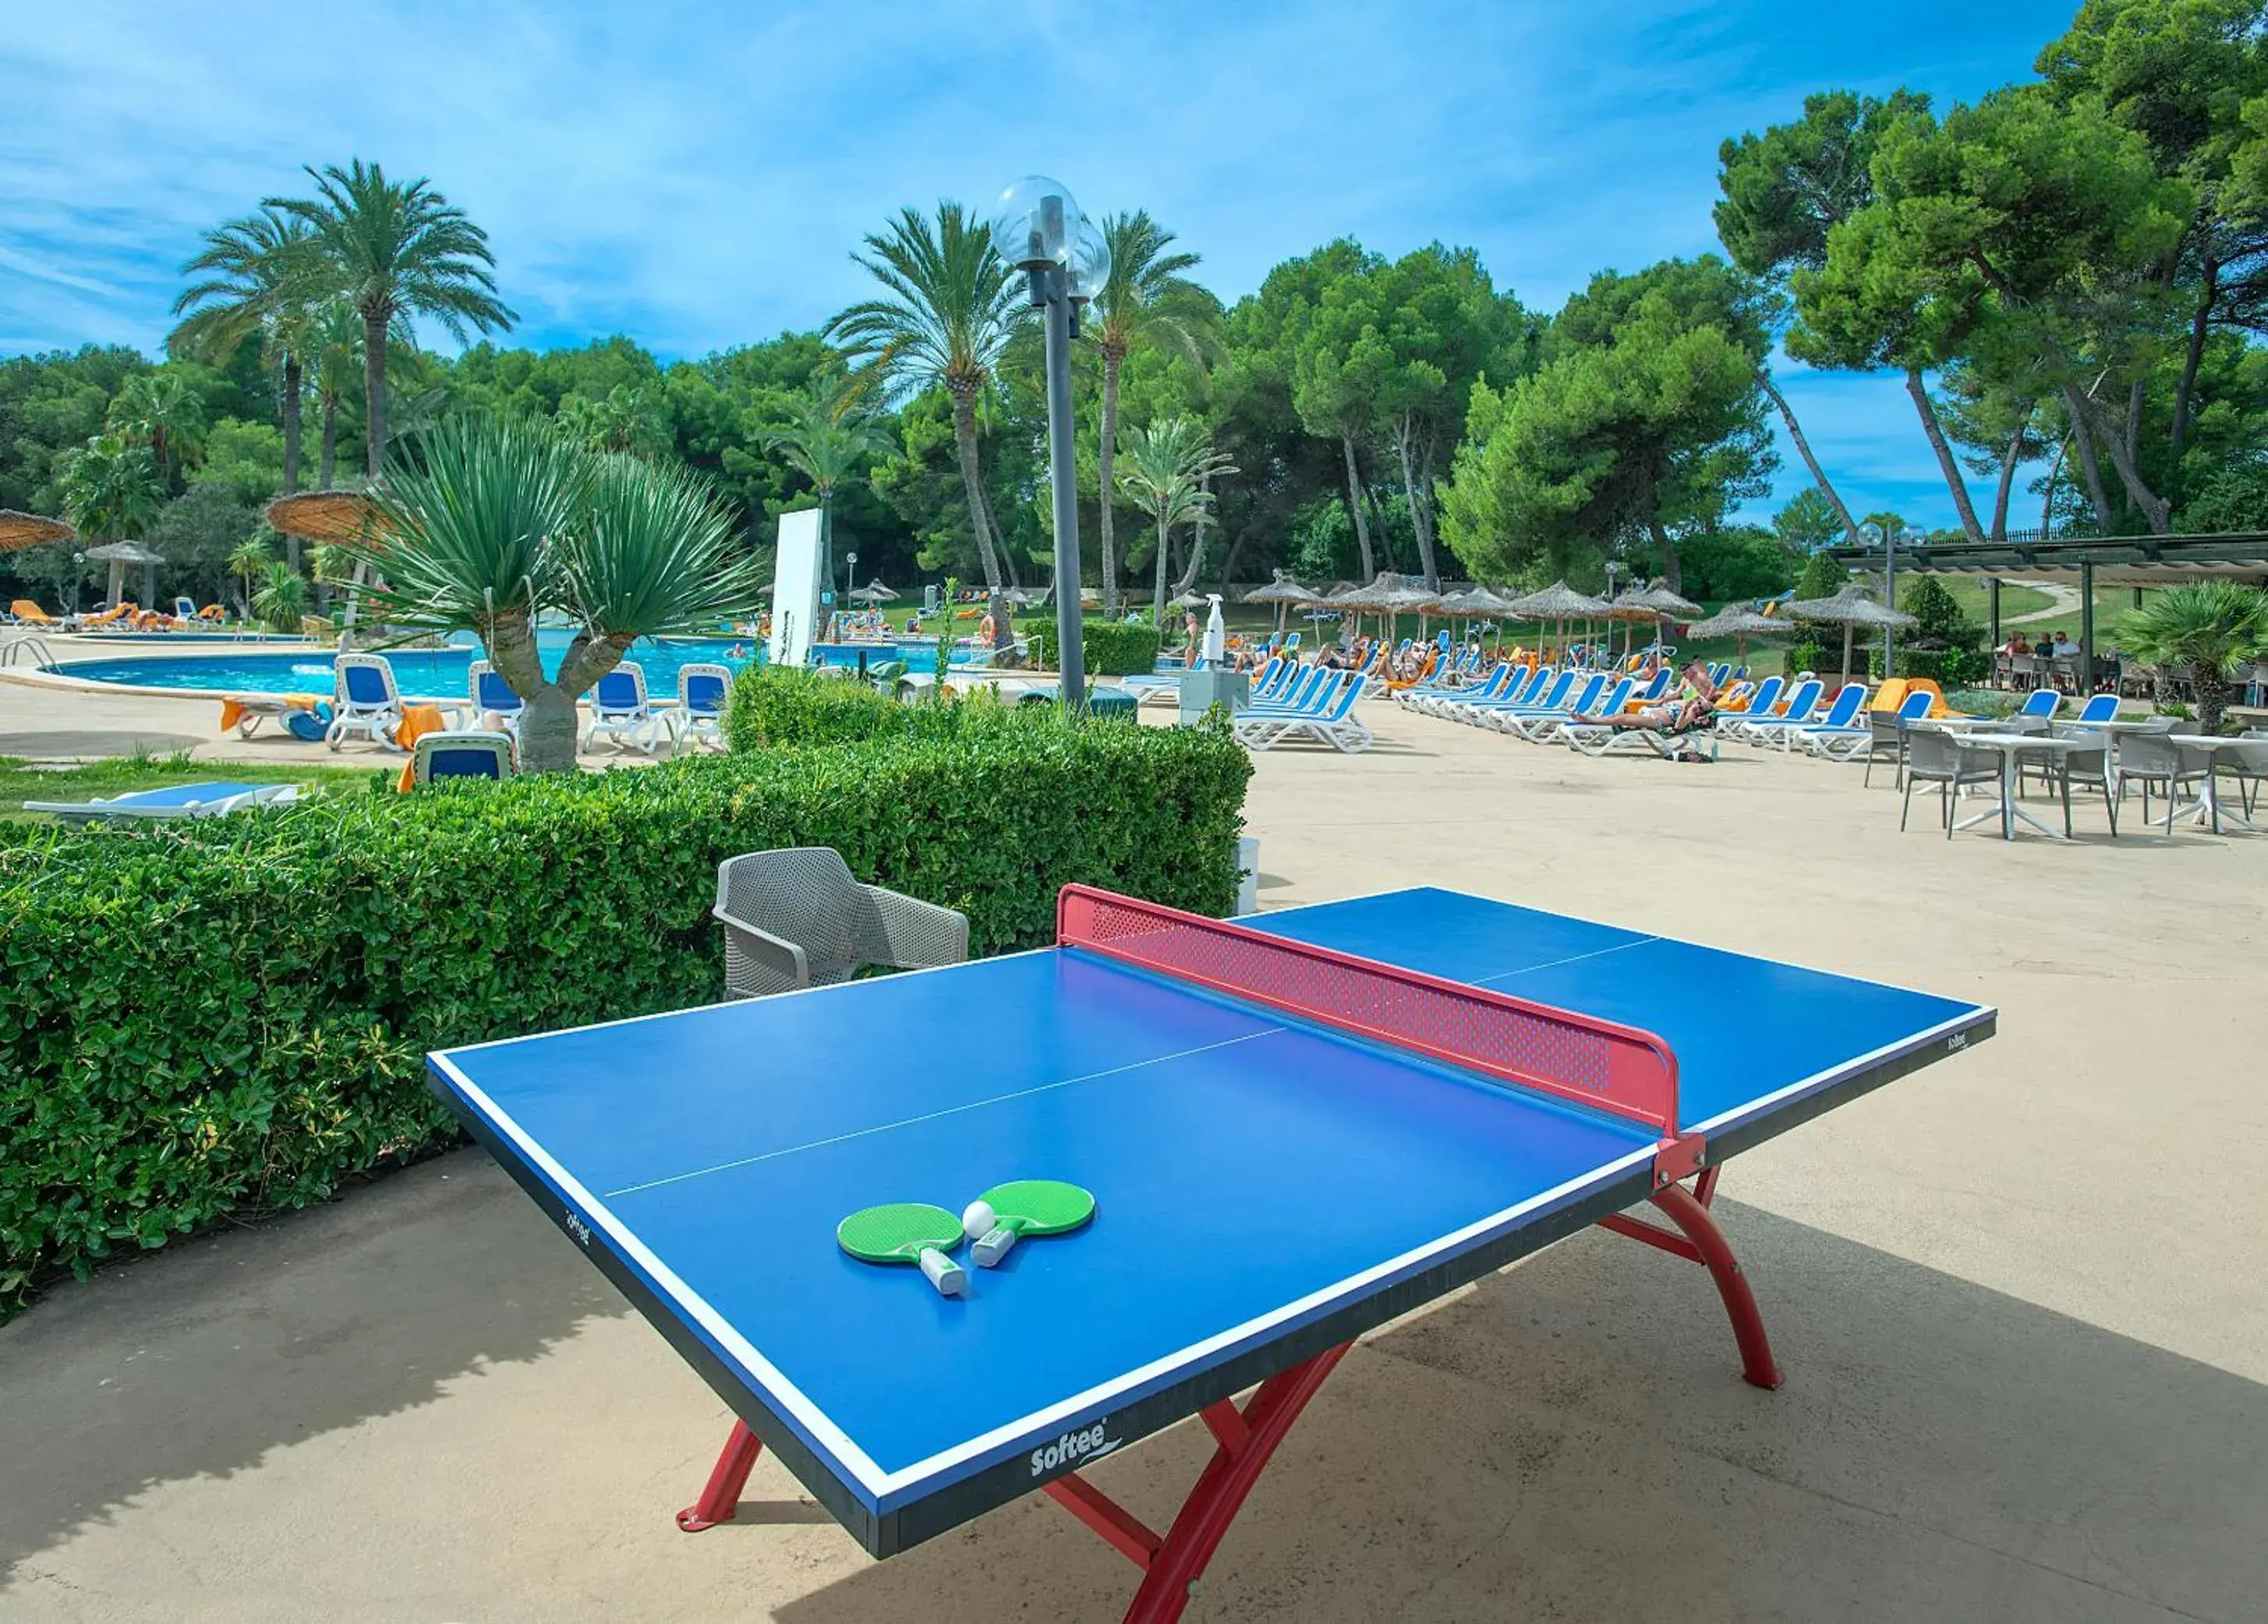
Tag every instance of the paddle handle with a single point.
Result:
(949, 1278)
(993, 1245)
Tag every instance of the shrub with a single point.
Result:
(1948, 668)
(1811, 656)
(228, 1016)
(1110, 648)
(775, 706)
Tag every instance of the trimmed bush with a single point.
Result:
(229, 1015)
(1110, 648)
(774, 706)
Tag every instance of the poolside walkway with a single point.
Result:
(2017, 1295)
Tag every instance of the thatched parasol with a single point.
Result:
(873, 592)
(1559, 602)
(1740, 624)
(1187, 601)
(118, 554)
(22, 530)
(324, 515)
(1850, 609)
(1283, 592)
(1479, 601)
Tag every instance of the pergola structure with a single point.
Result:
(2085, 562)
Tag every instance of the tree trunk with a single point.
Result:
(1188, 577)
(547, 727)
(1931, 427)
(1385, 531)
(292, 386)
(1411, 498)
(373, 388)
(2008, 461)
(2047, 498)
(2155, 510)
(2133, 439)
(1158, 590)
(964, 436)
(2212, 694)
(2199, 325)
(1354, 507)
(1671, 577)
(2083, 440)
(1113, 356)
(330, 440)
(1803, 448)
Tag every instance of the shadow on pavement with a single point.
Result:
(1572, 1440)
(196, 1360)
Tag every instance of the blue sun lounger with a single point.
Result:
(186, 800)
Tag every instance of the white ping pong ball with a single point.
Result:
(978, 1220)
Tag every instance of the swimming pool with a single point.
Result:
(443, 673)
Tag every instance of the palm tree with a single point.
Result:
(248, 561)
(159, 410)
(624, 419)
(825, 436)
(1169, 465)
(493, 525)
(1138, 299)
(259, 279)
(112, 490)
(2206, 630)
(334, 337)
(283, 601)
(951, 306)
(397, 253)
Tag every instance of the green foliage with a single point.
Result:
(228, 1018)
(1811, 656)
(1948, 668)
(1808, 522)
(282, 598)
(1739, 562)
(1117, 650)
(775, 706)
(243, 460)
(1646, 418)
(1821, 577)
(1938, 621)
(2206, 630)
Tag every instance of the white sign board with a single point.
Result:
(797, 576)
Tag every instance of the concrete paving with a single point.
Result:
(2017, 1296)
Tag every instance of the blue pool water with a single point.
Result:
(441, 674)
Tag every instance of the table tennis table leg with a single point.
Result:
(722, 1497)
(1171, 1566)
(1702, 1242)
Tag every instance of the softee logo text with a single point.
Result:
(1071, 1446)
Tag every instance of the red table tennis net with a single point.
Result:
(1599, 1063)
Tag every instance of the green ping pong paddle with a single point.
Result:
(907, 1232)
(1007, 1212)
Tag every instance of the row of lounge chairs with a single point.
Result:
(1291, 701)
(368, 704)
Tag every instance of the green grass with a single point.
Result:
(22, 780)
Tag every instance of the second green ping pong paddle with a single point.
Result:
(907, 1232)
(1005, 1213)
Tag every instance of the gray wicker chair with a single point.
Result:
(795, 918)
(2152, 759)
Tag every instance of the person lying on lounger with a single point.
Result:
(1694, 703)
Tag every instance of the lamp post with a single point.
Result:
(1038, 230)
(850, 575)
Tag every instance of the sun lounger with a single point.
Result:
(1838, 736)
(620, 709)
(489, 696)
(1333, 723)
(1546, 690)
(702, 692)
(1511, 718)
(462, 754)
(1696, 743)
(1539, 730)
(366, 701)
(1802, 709)
(187, 800)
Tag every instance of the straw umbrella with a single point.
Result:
(1558, 602)
(19, 531)
(1479, 600)
(873, 592)
(1403, 596)
(1739, 623)
(1850, 610)
(1283, 592)
(323, 515)
(118, 554)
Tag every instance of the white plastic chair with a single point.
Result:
(366, 701)
(620, 709)
(702, 692)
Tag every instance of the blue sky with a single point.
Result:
(697, 175)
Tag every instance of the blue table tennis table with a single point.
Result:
(1297, 1126)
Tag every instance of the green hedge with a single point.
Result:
(229, 1016)
(772, 706)
(1110, 647)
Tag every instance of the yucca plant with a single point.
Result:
(283, 601)
(490, 526)
(2204, 631)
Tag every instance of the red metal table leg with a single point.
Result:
(722, 1497)
(1702, 1242)
(1171, 1566)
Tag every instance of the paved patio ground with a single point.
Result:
(2018, 1295)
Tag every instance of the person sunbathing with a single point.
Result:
(1694, 703)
